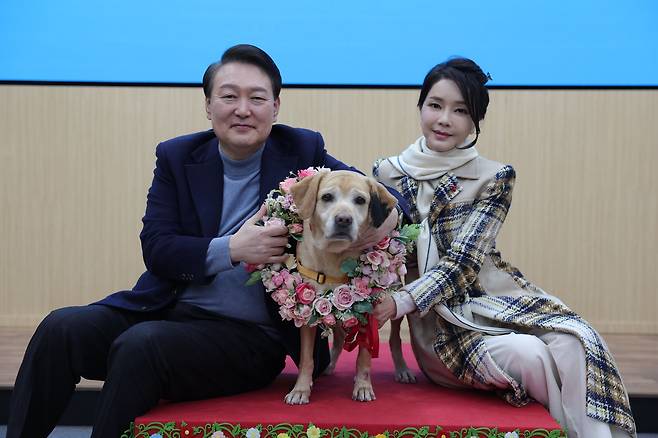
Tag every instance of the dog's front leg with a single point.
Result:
(402, 372)
(363, 390)
(301, 392)
(336, 349)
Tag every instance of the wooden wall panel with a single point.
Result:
(76, 162)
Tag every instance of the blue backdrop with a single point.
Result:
(369, 42)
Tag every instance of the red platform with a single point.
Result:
(416, 410)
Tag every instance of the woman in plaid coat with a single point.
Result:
(475, 320)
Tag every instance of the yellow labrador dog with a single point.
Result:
(336, 208)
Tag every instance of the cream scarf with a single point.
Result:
(426, 167)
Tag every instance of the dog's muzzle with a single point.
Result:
(342, 229)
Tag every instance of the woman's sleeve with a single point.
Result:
(459, 268)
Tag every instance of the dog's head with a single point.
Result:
(338, 205)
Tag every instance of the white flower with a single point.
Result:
(252, 433)
(511, 435)
(218, 434)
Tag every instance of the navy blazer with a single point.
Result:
(183, 210)
(184, 206)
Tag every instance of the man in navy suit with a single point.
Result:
(189, 328)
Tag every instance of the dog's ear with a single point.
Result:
(381, 203)
(305, 192)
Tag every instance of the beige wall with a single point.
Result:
(75, 164)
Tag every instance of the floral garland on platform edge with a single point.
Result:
(378, 270)
(286, 430)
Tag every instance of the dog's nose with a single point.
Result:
(343, 220)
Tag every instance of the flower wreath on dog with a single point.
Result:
(378, 270)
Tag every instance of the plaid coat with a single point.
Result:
(472, 291)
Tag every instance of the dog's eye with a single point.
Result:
(359, 200)
(327, 197)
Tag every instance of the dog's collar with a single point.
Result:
(320, 277)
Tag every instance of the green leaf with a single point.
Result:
(410, 231)
(362, 307)
(254, 278)
(312, 320)
(349, 266)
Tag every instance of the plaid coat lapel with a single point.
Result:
(446, 189)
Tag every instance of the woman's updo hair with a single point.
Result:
(470, 80)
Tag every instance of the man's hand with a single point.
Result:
(384, 310)
(373, 236)
(259, 244)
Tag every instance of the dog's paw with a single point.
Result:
(363, 391)
(404, 375)
(298, 396)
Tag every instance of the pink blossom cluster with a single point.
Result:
(384, 264)
(377, 270)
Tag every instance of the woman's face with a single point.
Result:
(444, 117)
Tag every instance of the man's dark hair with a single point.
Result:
(246, 54)
(470, 80)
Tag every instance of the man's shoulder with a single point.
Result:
(189, 140)
(294, 137)
(195, 146)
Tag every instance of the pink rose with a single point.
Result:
(266, 278)
(302, 314)
(289, 203)
(395, 247)
(350, 322)
(329, 320)
(286, 313)
(383, 244)
(296, 228)
(273, 221)
(279, 296)
(322, 306)
(375, 258)
(301, 174)
(387, 278)
(342, 297)
(294, 280)
(305, 293)
(289, 280)
(362, 287)
(279, 277)
(303, 311)
(286, 184)
(290, 302)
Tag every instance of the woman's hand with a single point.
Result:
(384, 310)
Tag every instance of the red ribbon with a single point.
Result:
(366, 336)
